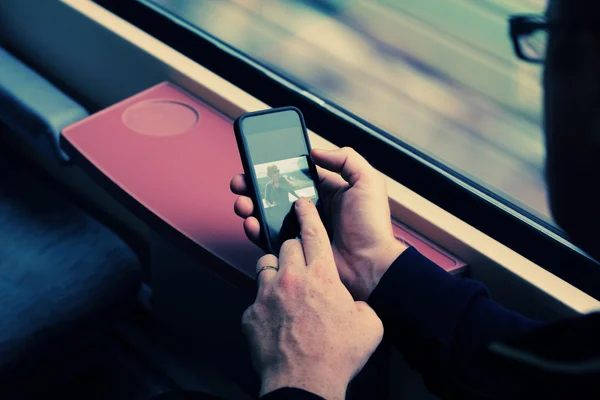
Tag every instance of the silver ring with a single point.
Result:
(264, 268)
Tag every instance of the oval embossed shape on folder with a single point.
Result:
(160, 118)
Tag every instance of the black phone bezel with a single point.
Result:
(252, 183)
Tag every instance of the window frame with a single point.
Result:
(460, 196)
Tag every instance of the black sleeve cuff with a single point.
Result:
(417, 299)
(289, 393)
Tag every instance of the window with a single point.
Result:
(483, 166)
(439, 75)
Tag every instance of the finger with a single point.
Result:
(252, 229)
(243, 207)
(291, 255)
(266, 275)
(238, 184)
(330, 181)
(315, 241)
(345, 161)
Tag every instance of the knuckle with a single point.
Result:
(361, 306)
(290, 245)
(353, 155)
(252, 317)
(311, 232)
(279, 298)
(348, 149)
(373, 320)
(376, 321)
(289, 281)
(365, 310)
(320, 273)
(263, 258)
(379, 329)
(248, 316)
(317, 267)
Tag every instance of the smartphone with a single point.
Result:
(275, 154)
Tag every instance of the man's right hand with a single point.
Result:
(305, 330)
(356, 211)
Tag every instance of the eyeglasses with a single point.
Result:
(529, 35)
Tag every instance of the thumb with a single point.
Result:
(345, 161)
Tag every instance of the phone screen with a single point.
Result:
(279, 157)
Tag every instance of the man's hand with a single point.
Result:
(304, 329)
(357, 213)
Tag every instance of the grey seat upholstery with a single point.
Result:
(64, 277)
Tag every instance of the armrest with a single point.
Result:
(30, 105)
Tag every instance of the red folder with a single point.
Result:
(175, 155)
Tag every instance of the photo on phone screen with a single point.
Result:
(280, 184)
(277, 154)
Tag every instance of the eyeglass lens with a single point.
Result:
(533, 45)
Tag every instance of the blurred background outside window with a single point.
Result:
(439, 75)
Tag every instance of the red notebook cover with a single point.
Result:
(433, 252)
(175, 155)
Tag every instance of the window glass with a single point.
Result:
(439, 75)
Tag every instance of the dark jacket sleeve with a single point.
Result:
(441, 324)
(290, 394)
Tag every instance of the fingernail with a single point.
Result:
(302, 202)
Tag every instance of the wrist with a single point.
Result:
(326, 385)
(383, 260)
